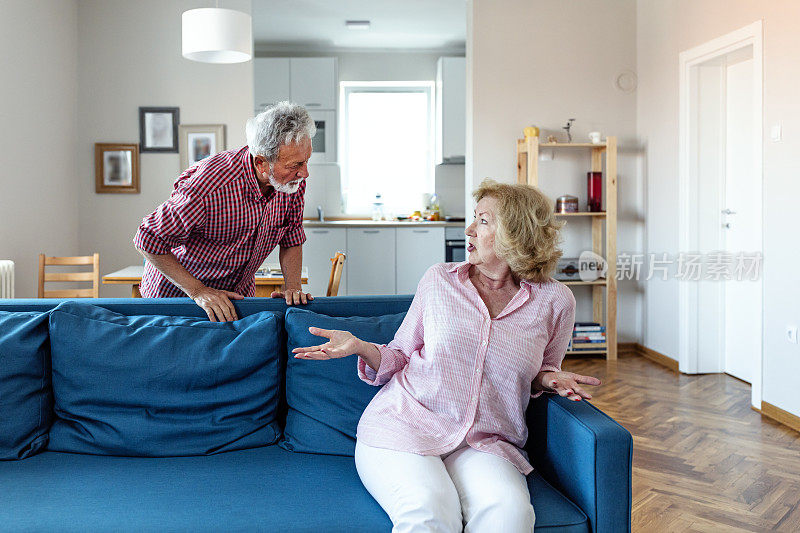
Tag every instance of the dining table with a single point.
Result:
(268, 279)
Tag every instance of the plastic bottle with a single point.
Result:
(377, 207)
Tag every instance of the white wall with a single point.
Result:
(542, 62)
(664, 29)
(130, 56)
(38, 95)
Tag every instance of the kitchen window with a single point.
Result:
(387, 145)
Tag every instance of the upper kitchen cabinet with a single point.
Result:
(451, 109)
(271, 77)
(310, 81)
(313, 82)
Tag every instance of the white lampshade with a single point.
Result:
(214, 35)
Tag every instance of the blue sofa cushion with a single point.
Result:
(26, 399)
(263, 489)
(326, 398)
(162, 386)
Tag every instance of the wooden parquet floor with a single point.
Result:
(703, 460)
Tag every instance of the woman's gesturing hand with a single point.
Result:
(340, 344)
(567, 384)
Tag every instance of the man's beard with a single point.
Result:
(288, 188)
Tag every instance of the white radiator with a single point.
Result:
(6, 279)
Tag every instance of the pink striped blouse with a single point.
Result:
(453, 372)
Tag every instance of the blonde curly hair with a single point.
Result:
(528, 234)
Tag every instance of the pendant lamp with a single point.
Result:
(215, 35)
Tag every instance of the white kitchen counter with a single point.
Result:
(378, 223)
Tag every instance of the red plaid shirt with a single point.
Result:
(219, 225)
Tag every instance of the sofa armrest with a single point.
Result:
(586, 455)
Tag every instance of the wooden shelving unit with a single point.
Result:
(604, 310)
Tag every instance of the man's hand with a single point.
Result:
(566, 384)
(216, 303)
(293, 296)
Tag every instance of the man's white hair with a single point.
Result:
(283, 123)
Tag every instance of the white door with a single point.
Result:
(370, 261)
(417, 249)
(720, 184)
(742, 225)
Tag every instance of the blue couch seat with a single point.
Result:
(261, 489)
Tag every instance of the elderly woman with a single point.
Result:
(440, 446)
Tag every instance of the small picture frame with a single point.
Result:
(116, 168)
(199, 141)
(158, 129)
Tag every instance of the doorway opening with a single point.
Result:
(721, 213)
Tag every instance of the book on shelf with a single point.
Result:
(586, 349)
(588, 326)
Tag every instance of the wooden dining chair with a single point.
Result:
(337, 265)
(92, 276)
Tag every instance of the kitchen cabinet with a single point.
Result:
(322, 244)
(271, 81)
(370, 265)
(451, 109)
(313, 82)
(310, 81)
(417, 249)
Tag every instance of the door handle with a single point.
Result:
(727, 225)
(372, 231)
(728, 212)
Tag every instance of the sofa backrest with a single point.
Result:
(346, 306)
(333, 306)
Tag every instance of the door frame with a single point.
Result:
(750, 35)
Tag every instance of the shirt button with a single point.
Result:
(477, 370)
(484, 343)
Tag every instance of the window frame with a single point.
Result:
(346, 88)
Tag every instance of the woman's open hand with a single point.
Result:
(567, 384)
(340, 344)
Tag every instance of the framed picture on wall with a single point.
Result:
(116, 168)
(198, 141)
(158, 129)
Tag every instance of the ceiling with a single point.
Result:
(316, 25)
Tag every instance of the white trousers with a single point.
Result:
(468, 490)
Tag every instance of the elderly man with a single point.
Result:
(226, 215)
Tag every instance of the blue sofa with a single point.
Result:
(105, 441)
